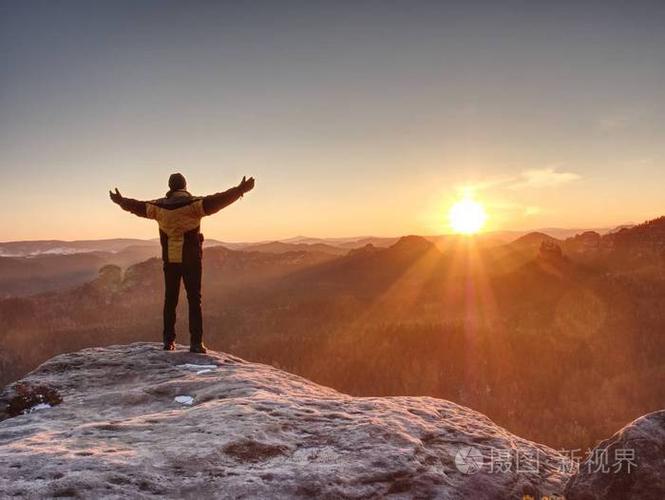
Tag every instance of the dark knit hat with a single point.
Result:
(177, 181)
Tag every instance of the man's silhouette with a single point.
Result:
(179, 217)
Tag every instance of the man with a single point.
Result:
(179, 217)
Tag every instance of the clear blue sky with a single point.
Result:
(358, 117)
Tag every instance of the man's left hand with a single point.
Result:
(247, 184)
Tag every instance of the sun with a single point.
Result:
(467, 216)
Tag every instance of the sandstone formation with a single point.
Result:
(133, 421)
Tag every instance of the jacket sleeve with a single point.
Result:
(136, 207)
(215, 202)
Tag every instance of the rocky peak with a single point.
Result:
(142, 275)
(651, 233)
(550, 251)
(532, 239)
(412, 245)
(109, 278)
(589, 237)
(367, 249)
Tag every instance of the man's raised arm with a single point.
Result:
(134, 206)
(215, 202)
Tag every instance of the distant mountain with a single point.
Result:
(59, 247)
(619, 228)
(208, 242)
(38, 266)
(281, 247)
(347, 242)
(62, 247)
(228, 269)
(563, 233)
(634, 248)
(532, 241)
(501, 258)
(29, 275)
(42, 272)
(648, 234)
(472, 320)
(370, 240)
(27, 268)
(369, 269)
(30, 267)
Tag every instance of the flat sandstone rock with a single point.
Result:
(108, 425)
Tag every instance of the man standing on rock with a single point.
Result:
(179, 217)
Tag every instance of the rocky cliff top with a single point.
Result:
(133, 421)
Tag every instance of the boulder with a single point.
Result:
(629, 465)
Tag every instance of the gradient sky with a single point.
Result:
(358, 117)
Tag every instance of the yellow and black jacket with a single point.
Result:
(179, 217)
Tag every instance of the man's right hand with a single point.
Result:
(115, 197)
(247, 184)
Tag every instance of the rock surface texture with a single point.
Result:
(631, 464)
(133, 421)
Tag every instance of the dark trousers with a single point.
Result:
(190, 272)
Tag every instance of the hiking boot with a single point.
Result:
(169, 346)
(198, 348)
